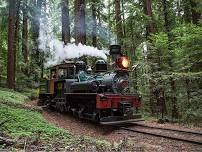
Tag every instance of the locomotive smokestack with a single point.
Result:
(115, 52)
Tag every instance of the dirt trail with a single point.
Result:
(80, 127)
(143, 142)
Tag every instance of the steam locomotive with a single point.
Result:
(100, 95)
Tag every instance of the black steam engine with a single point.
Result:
(98, 95)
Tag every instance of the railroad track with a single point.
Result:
(174, 134)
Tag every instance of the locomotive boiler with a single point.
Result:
(100, 95)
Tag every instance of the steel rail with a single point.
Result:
(164, 136)
(169, 129)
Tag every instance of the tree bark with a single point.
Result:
(11, 41)
(195, 14)
(80, 26)
(25, 33)
(94, 31)
(148, 11)
(76, 20)
(174, 99)
(36, 27)
(123, 15)
(166, 18)
(83, 23)
(147, 4)
(109, 20)
(65, 22)
(16, 42)
(187, 11)
(168, 26)
(188, 90)
(119, 30)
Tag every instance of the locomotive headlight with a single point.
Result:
(123, 62)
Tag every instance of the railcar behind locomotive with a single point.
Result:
(102, 96)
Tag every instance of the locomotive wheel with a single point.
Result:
(40, 102)
(62, 107)
(57, 106)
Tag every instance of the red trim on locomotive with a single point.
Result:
(105, 101)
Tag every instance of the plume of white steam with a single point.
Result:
(59, 52)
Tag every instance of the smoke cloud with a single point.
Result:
(50, 44)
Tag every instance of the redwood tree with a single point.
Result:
(65, 22)
(119, 30)
(11, 41)
(148, 11)
(17, 22)
(168, 19)
(80, 25)
(36, 27)
(187, 11)
(94, 31)
(83, 22)
(25, 32)
(196, 15)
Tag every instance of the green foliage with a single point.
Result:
(188, 47)
(25, 123)
(21, 123)
(12, 96)
(178, 60)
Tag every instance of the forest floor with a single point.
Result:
(26, 127)
(121, 139)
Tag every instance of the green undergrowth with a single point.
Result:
(19, 124)
(7, 95)
(16, 96)
(22, 123)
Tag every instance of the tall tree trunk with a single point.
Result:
(25, 32)
(196, 15)
(148, 11)
(65, 22)
(119, 30)
(188, 89)
(11, 41)
(109, 20)
(187, 11)
(83, 23)
(16, 42)
(167, 18)
(36, 27)
(76, 20)
(94, 31)
(123, 15)
(158, 93)
(168, 26)
(80, 25)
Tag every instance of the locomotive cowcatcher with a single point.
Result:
(99, 95)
